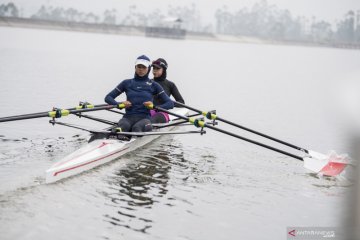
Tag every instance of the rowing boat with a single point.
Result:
(101, 151)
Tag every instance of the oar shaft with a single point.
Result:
(69, 125)
(247, 129)
(23, 117)
(235, 135)
(51, 113)
(114, 111)
(263, 135)
(192, 115)
(177, 122)
(254, 142)
(162, 125)
(95, 118)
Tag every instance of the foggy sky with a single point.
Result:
(329, 10)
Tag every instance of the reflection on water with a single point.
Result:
(140, 185)
(158, 176)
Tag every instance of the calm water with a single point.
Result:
(180, 187)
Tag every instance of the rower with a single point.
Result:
(160, 72)
(139, 91)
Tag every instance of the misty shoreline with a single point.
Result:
(141, 31)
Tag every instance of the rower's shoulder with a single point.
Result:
(129, 80)
(155, 83)
(125, 82)
(170, 83)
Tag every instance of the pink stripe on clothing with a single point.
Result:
(153, 113)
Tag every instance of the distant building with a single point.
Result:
(167, 28)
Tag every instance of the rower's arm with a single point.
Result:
(110, 97)
(167, 103)
(176, 94)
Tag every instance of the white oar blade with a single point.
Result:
(315, 161)
(328, 165)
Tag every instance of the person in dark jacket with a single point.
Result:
(140, 92)
(159, 71)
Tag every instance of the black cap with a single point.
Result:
(160, 62)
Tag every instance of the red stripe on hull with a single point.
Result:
(101, 145)
(68, 169)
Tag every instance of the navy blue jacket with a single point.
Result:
(139, 90)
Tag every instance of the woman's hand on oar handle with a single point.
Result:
(149, 105)
(124, 104)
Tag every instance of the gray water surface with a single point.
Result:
(178, 187)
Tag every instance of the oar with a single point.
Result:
(164, 125)
(212, 116)
(176, 122)
(95, 119)
(61, 112)
(313, 161)
(327, 165)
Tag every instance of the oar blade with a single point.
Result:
(315, 161)
(327, 165)
(333, 169)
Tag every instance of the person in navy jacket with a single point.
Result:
(140, 92)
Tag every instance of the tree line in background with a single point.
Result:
(261, 20)
(268, 22)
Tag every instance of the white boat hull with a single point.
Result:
(97, 152)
